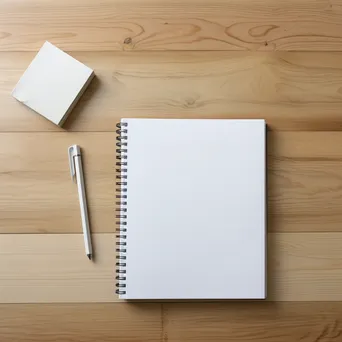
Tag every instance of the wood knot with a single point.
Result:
(128, 40)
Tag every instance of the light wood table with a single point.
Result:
(278, 60)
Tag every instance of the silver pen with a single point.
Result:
(76, 171)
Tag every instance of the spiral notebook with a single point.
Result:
(192, 209)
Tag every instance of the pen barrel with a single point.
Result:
(83, 204)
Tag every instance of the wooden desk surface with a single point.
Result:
(278, 60)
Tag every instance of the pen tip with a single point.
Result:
(89, 256)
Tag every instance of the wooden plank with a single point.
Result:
(80, 322)
(258, 321)
(37, 193)
(304, 181)
(278, 322)
(171, 25)
(53, 268)
(292, 91)
(304, 266)
(38, 196)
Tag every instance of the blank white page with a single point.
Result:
(195, 209)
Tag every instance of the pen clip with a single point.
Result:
(72, 153)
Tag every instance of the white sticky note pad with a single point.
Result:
(53, 83)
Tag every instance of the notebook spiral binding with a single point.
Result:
(121, 190)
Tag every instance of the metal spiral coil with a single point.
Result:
(121, 211)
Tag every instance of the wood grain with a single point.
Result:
(37, 193)
(38, 196)
(292, 91)
(80, 323)
(171, 25)
(53, 268)
(276, 322)
(229, 60)
(304, 267)
(258, 321)
(304, 181)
